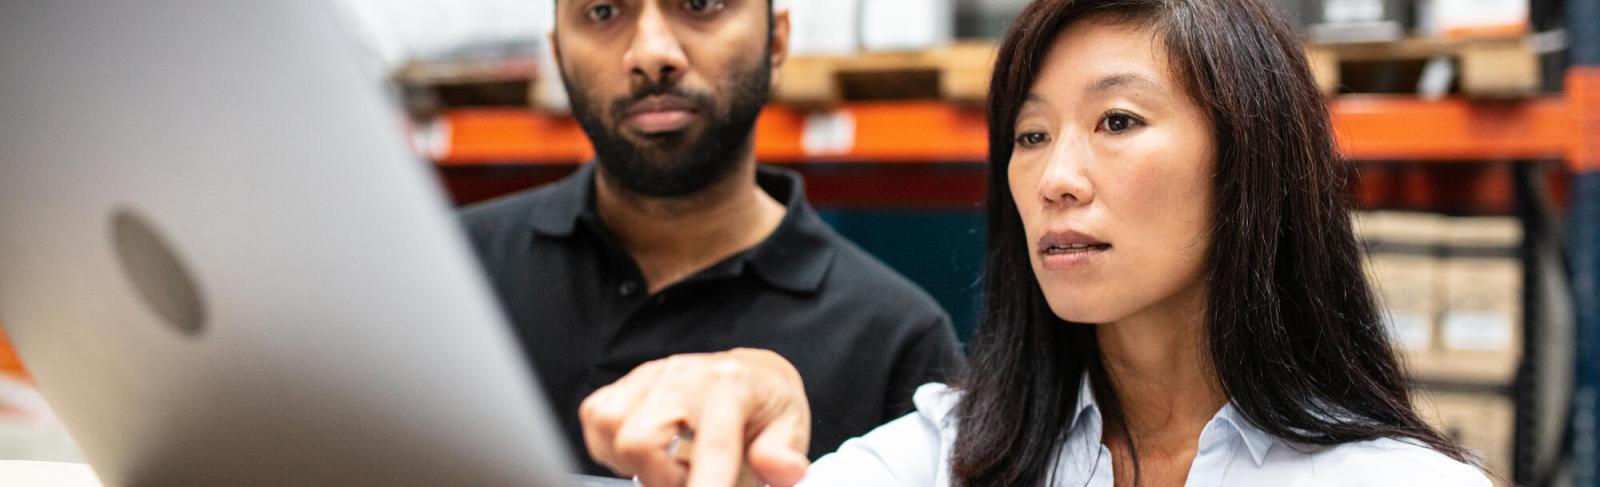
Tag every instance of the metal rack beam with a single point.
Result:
(1368, 127)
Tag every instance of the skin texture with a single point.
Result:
(743, 406)
(676, 186)
(1110, 146)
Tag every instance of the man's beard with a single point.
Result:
(679, 163)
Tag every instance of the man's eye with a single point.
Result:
(602, 12)
(704, 6)
(1032, 139)
(1117, 122)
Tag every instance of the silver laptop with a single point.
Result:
(225, 266)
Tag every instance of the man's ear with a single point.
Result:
(780, 42)
(555, 46)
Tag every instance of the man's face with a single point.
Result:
(668, 90)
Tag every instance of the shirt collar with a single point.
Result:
(796, 257)
(571, 200)
(799, 253)
(1086, 403)
(1256, 441)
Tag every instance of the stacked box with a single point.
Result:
(1479, 340)
(1481, 328)
(1361, 20)
(1484, 423)
(1404, 268)
(1458, 19)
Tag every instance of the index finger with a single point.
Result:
(719, 439)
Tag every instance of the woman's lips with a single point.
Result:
(1069, 249)
(1060, 259)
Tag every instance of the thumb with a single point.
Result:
(777, 456)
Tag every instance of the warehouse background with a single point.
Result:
(1473, 126)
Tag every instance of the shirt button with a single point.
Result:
(628, 288)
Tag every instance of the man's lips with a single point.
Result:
(660, 114)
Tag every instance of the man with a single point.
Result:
(675, 241)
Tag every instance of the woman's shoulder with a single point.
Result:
(1395, 462)
(909, 451)
(936, 402)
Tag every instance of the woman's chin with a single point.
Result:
(1075, 312)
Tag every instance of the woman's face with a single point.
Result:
(1111, 173)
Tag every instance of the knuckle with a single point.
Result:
(727, 370)
(610, 412)
(719, 443)
(632, 445)
(604, 429)
(589, 408)
(657, 363)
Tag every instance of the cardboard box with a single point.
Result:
(1360, 21)
(1484, 423)
(1483, 305)
(1463, 19)
(1404, 269)
(1480, 329)
(1407, 286)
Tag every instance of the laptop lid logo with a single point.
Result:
(157, 274)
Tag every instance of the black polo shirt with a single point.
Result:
(861, 335)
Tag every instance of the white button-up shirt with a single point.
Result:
(914, 451)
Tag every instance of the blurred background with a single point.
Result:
(1473, 127)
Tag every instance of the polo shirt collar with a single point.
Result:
(571, 199)
(795, 258)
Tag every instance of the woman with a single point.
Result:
(1174, 295)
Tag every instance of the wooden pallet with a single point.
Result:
(428, 88)
(958, 73)
(1486, 68)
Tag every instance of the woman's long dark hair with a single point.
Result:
(1294, 332)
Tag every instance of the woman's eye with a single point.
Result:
(704, 6)
(1117, 122)
(1032, 139)
(602, 12)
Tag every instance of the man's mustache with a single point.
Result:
(702, 101)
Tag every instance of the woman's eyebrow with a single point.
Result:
(1034, 103)
(1122, 81)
